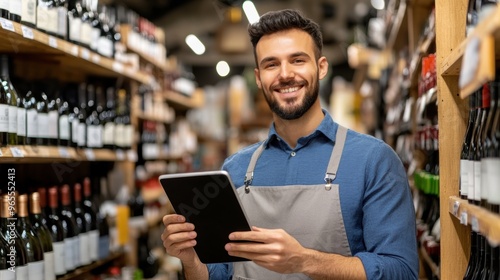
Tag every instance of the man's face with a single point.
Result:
(288, 73)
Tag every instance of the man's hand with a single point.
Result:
(179, 238)
(273, 249)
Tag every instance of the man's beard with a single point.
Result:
(293, 112)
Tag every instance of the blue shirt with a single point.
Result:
(375, 197)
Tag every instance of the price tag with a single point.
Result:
(463, 218)
(89, 153)
(7, 24)
(132, 155)
(16, 152)
(474, 222)
(456, 205)
(117, 67)
(470, 62)
(74, 50)
(120, 155)
(53, 42)
(63, 152)
(96, 58)
(27, 32)
(85, 54)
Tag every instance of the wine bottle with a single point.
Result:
(4, 8)
(106, 40)
(82, 116)
(11, 99)
(93, 122)
(95, 23)
(83, 226)
(63, 257)
(148, 262)
(5, 267)
(34, 250)
(64, 124)
(42, 231)
(42, 109)
(31, 118)
(15, 10)
(12, 237)
(104, 241)
(21, 120)
(70, 228)
(4, 117)
(53, 116)
(86, 31)
(74, 111)
(471, 20)
(62, 19)
(91, 220)
(74, 21)
(108, 117)
(28, 13)
(128, 130)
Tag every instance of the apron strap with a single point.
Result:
(333, 165)
(251, 166)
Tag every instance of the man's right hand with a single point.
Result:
(179, 238)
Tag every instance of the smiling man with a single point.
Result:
(326, 202)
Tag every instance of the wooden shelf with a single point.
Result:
(20, 39)
(157, 62)
(478, 218)
(488, 34)
(184, 102)
(44, 154)
(81, 272)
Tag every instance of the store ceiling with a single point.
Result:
(208, 19)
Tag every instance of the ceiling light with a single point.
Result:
(222, 68)
(378, 4)
(195, 44)
(250, 12)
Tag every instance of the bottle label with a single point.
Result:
(22, 272)
(28, 11)
(35, 269)
(96, 33)
(105, 47)
(76, 251)
(12, 119)
(103, 246)
(53, 117)
(43, 125)
(74, 131)
(52, 20)
(109, 130)
(464, 182)
(493, 174)
(477, 180)
(94, 136)
(69, 257)
(42, 16)
(128, 133)
(4, 4)
(62, 22)
(119, 130)
(31, 123)
(86, 33)
(94, 245)
(75, 28)
(60, 260)
(81, 134)
(7, 274)
(470, 179)
(48, 258)
(84, 248)
(21, 121)
(15, 7)
(64, 127)
(4, 118)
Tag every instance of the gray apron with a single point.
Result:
(310, 213)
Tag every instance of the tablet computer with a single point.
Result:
(209, 200)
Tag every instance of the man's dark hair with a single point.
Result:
(275, 21)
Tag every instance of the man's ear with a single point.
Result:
(322, 67)
(257, 78)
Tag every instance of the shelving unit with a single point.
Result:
(41, 154)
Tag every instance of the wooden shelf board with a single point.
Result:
(25, 40)
(42, 154)
(80, 272)
(180, 101)
(488, 223)
(451, 65)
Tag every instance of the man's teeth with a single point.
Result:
(288, 90)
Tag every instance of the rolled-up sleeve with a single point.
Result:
(220, 271)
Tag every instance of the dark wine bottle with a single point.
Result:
(53, 117)
(74, 21)
(83, 226)
(64, 122)
(108, 118)
(70, 227)
(148, 262)
(5, 272)
(31, 118)
(82, 116)
(93, 123)
(42, 231)
(11, 99)
(62, 257)
(21, 120)
(13, 238)
(4, 9)
(103, 237)
(42, 109)
(91, 219)
(33, 246)
(4, 117)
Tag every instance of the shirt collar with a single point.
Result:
(327, 127)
